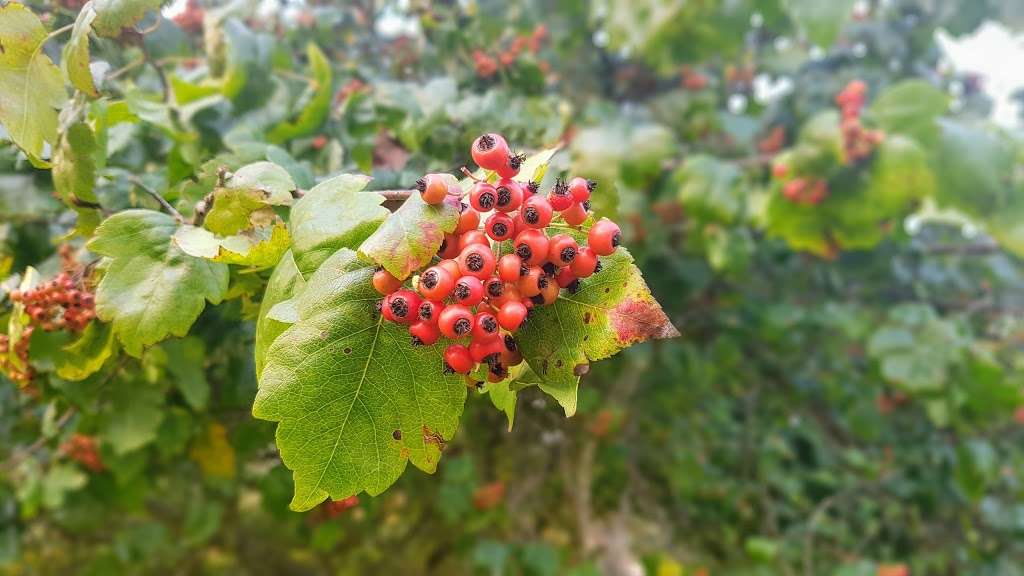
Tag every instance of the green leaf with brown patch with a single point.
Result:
(114, 15)
(355, 401)
(612, 310)
(411, 236)
(245, 198)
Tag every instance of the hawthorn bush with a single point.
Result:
(803, 358)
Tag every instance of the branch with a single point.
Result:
(156, 196)
(19, 457)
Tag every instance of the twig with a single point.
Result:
(58, 32)
(126, 68)
(156, 196)
(19, 457)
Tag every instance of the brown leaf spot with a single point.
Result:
(431, 437)
(587, 317)
(640, 320)
(397, 434)
(559, 363)
(348, 350)
(403, 453)
(544, 367)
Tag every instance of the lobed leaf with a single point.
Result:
(355, 401)
(411, 236)
(31, 86)
(612, 310)
(151, 289)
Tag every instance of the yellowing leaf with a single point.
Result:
(214, 453)
(411, 236)
(31, 86)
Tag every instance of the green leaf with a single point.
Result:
(707, 186)
(536, 165)
(245, 197)
(133, 417)
(411, 236)
(86, 356)
(61, 479)
(313, 115)
(74, 174)
(114, 15)
(284, 283)
(503, 398)
(75, 59)
(335, 214)
(259, 247)
(31, 86)
(355, 401)
(911, 108)
(150, 288)
(185, 360)
(820, 21)
(916, 348)
(612, 310)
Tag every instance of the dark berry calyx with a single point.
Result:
(399, 307)
(485, 143)
(499, 229)
(531, 215)
(516, 160)
(475, 262)
(549, 268)
(568, 254)
(487, 200)
(461, 291)
(504, 196)
(561, 188)
(489, 324)
(510, 343)
(524, 252)
(462, 326)
(542, 282)
(421, 185)
(617, 239)
(537, 300)
(429, 279)
(426, 311)
(533, 187)
(416, 341)
(495, 289)
(591, 185)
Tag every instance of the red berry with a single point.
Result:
(509, 292)
(433, 188)
(510, 356)
(477, 260)
(560, 198)
(436, 283)
(511, 315)
(565, 277)
(429, 311)
(536, 212)
(457, 359)
(490, 151)
(483, 197)
(510, 168)
(534, 281)
(575, 215)
(580, 188)
(480, 350)
(532, 247)
(562, 250)
(449, 246)
(494, 288)
(403, 306)
(509, 266)
(451, 266)
(424, 333)
(469, 219)
(455, 321)
(384, 282)
(604, 237)
(499, 227)
(472, 237)
(485, 327)
(585, 262)
(469, 290)
(549, 291)
(510, 195)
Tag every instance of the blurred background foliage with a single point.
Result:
(846, 396)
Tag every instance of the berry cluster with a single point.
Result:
(487, 65)
(60, 304)
(858, 142)
(805, 190)
(470, 294)
(82, 449)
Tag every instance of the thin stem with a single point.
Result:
(156, 196)
(58, 32)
